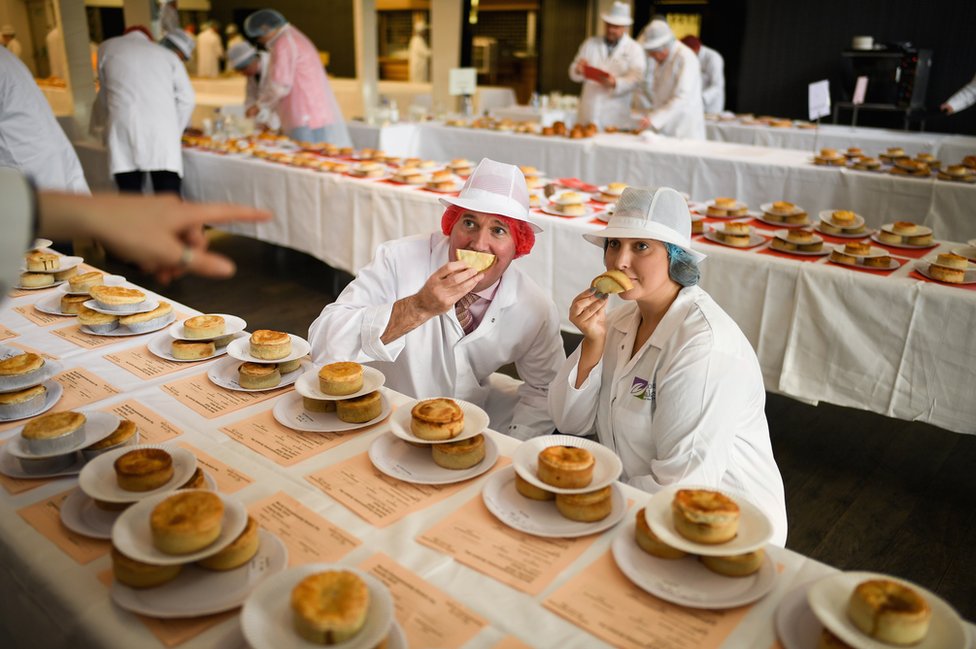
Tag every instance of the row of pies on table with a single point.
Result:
(51, 441)
(922, 165)
(23, 376)
(126, 307)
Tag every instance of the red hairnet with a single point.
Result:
(521, 232)
(693, 42)
(139, 28)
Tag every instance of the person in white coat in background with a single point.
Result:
(144, 104)
(712, 74)
(606, 102)
(418, 54)
(436, 327)
(676, 93)
(253, 64)
(961, 99)
(667, 381)
(56, 55)
(31, 139)
(233, 36)
(209, 51)
(8, 37)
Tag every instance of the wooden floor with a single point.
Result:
(864, 492)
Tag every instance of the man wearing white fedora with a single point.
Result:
(610, 67)
(677, 108)
(667, 381)
(438, 327)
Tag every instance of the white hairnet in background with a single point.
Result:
(263, 21)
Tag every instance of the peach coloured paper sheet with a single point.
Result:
(81, 388)
(480, 541)
(229, 480)
(16, 486)
(511, 642)
(285, 447)
(144, 364)
(308, 537)
(428, 616)
(45, 517)
(74, 335)
(377, 498)
(208, 400)
(7, 334)
(153, 428)
(602, 601)
(32, 350)
(40, 318)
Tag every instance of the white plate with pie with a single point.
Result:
(754, 239)
(122, 330)
(920, 230)
(874, 252)
(51, 397)
(755, 528)
(232, 325)
(197, 591)
(145, 306)
(922, 266)
(892, 264)
(827, 216)
(781, 224)
(686, 581)
(14, 383)
(398, 459)
(844, 234)
(540, 517)
(97, 426)
(599, 196)
(906, 246)
(98, 480)
(162, 346)
(11, 467)
(52, 306)
(456, 187)
(241, 350)
(41, 244)
(796, 625)
(289, 411)
(588, 212)
(39, 288)
(132, 533)
(266, 618)
(224, 374)
(969, 252)
(67, 262)
(828, 599)
(606, 469)
(782, 236)
(475, 421)
(107, 280)
(308, 385)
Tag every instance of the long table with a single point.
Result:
(55, 583)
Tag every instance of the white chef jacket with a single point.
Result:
(56, 55)
(609, 106)
(521, 326)
(687, 408)
(209, 52)
(418, 55)
(964, 97)
(17, 222)
(145, 102)
(676, 95)
(713, 79)
(31, 140)
(253, 88)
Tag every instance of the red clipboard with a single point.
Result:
(595, 74)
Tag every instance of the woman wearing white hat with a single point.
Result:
(667, 381)
(606, 98)
(436, 327)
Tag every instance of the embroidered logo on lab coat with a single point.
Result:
(640, 389)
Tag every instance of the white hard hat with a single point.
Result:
(659, 214)
(495, 188)
(619, 15)
(657, 35)
(240, 54)
(182, 41)
(7, 30)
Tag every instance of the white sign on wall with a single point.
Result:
(819, 99)
(462, 81)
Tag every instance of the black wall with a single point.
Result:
(562, 28)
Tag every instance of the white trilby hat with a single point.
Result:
(656, 35)
(240, 54)
(7, 30)
(619, 15)
(181, 41)
(495, 188)
(659, 214)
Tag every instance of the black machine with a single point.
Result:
(898, 74)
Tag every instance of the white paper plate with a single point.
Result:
(52, 306)
(54, 392)
(289, 411)
(907, 246)
(475, 421)
(780, 224)
(920, 232)
(738, 206)
(844, 235)
(969, 276)
(145, 306)
(308, 385)
(827, 217)
(241, 350)
(598, 196)
(197, 591)
(67, 263)
(232, 325)
(768, 207)
(353, 174)
(41, 244)
(606, 470)
(453, 189)
(98, 480)
(224, 374)
(559, 198)
(538, 517)
(969, 252)
(875, 252)
(107, 280)
(687, 582)
(132, 534)
(79, 514)
(754, 240)
(122, 330)
(828, 598)
(161, 346)
(796, 625)
(39, 288)
(400, 460)
(266, 618)
(755, 528)
(10, 466)
(12, 384)
(98, 426)
(892, 264)
(588, 212)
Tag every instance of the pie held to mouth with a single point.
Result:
(480, 261)
(612, 281)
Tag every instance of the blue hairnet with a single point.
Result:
(681, 267)
(263, 21)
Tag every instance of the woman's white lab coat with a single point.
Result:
(521, 326)
(687, 408)
(676, 95)
(713, 79)
(609, 106)
(209, 52)
(418, 57)
(145, 102)
(964, 97)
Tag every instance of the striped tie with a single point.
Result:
(463, 312)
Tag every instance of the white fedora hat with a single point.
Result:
(659, 214)
(495, 188)
(656, 35)
(619, 15)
